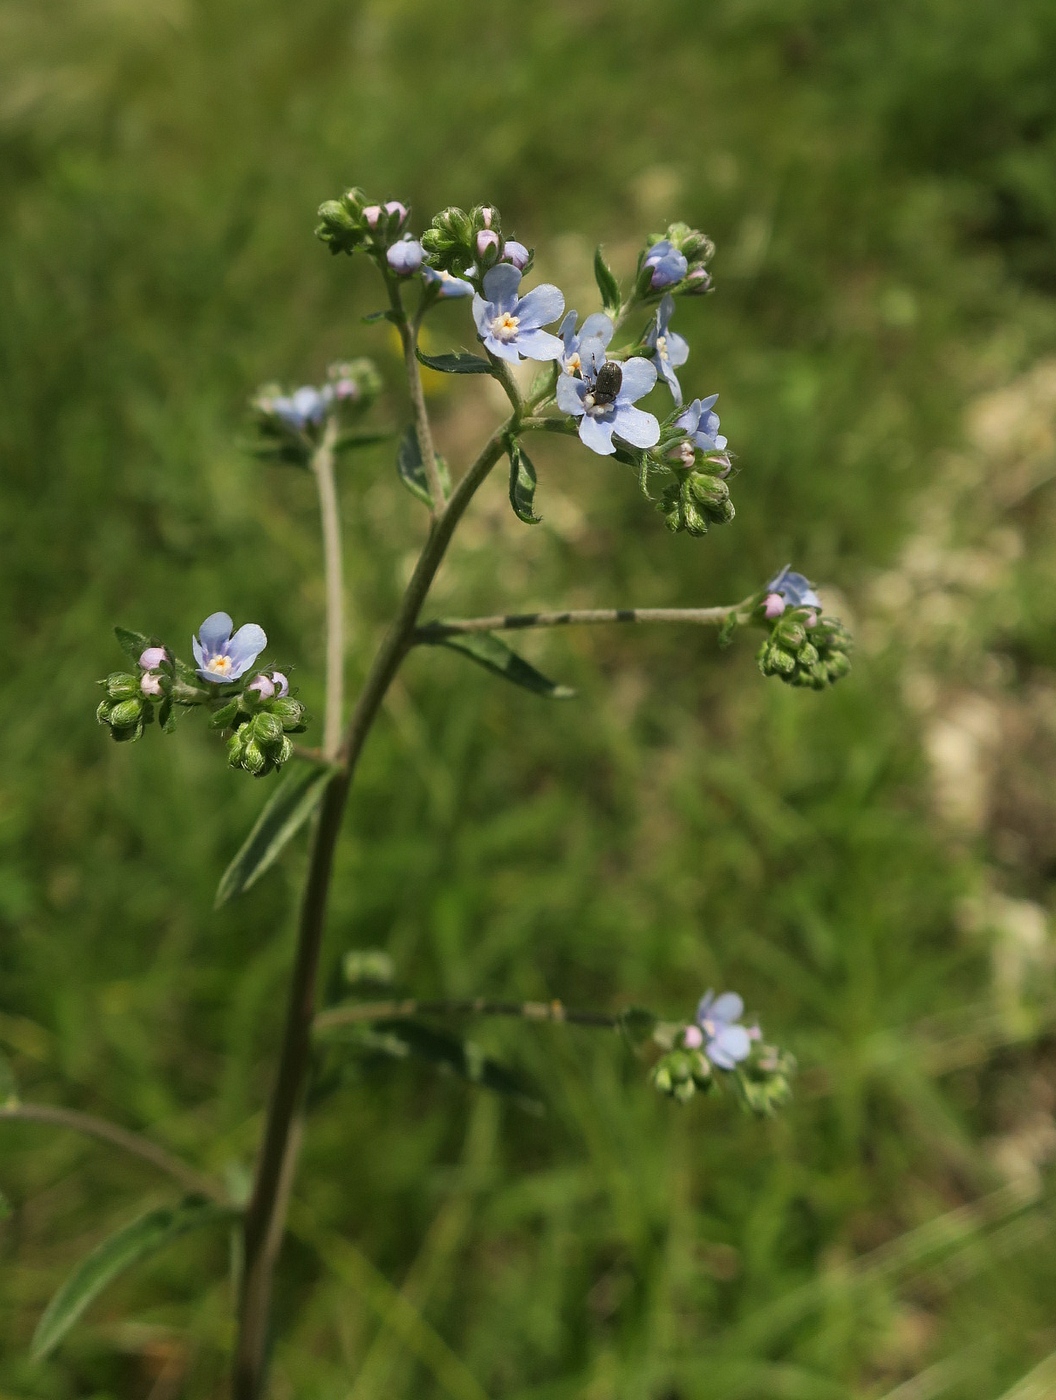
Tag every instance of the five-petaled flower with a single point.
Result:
(304, 408)
(222, 657)
(448, 284)
(701, 424)
(511, 326)
(789, 590)
(596, 327)
(668, 264)
(598, 421)
(725, 1042)
(670, 349)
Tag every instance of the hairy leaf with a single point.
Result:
(133, 644)
(457, 362)
(522, 484)
(291, 804)
(133, 1242)
(486, 650)
(411, 468)
(607, 284)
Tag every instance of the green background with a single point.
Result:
(870, 867)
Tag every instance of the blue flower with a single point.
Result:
(702, 424)
(794, 589)
(597, 327)
(449, 286)
(598, 422)
(405, 256)
(671, 349)
(510, 326)
(725, 1042)
(668, 264)
(304, 408)
(222, 657)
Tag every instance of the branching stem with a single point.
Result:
(357, 1012)
(408, 330)
(574, 617)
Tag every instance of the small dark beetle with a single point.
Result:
(607, 385)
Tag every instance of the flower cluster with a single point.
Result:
(716, 1040)
(260, 711)
(677, 260)
(803, 647)
(468, 245)
(290, 424)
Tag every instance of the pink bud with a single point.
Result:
(486, 239)
(152, 658)
(263, 686)
(773, 605)
(282, 683)
(487, 214)
(150, 684)
(372, 213)
(692, 1038)
(395, 207)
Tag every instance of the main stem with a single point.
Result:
(266, 1211)
(323, 468)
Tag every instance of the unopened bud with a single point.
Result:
(121, 686)
(152, 657)
(150, 684)
(486, 238)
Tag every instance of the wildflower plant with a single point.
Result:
(611, 384)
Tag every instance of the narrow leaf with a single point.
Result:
(411, 468)
(386, 315)
(486, 650)
(143, 1237)
(405, 1039)
(167, 715)
(291, 804)
(522, 484)
(457, 362)
(362, 437)
(133, 644)
(607, 284)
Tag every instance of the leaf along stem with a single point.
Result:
(102, 1129)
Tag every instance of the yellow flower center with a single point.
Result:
(574, 365)
(661, 346)
(219, 665)
(504, 327)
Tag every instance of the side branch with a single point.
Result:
(474, 1006)
(409, 337)
(89, 1126)
(511, 622)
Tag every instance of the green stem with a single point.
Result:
(90, 1126)
(323, 469)
(510, 622)
(409, 338)
(361, 1011)
(265, 1214)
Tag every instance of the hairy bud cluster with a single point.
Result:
(805, 649)
(354, 221)
(261, 725)
(125, 708)
(675, 261)
(468, 245)
(697, 499)
(762, 1080)
(681, 1073)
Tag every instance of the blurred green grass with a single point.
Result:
(880, 188)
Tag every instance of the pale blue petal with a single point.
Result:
(245, 646)
(597, 327)
(639, 376)
(196, 648)
(500, 286)
(704, 1005)
(596, 433)
(671, 380)
(570, 395)
(733, 1043)
(688, 420)
(483, 315)
(728, 1007)
(540, 306)
(214, 632)
(592, 357)
(677, 349)
(567, 331)
(539, 345)
(638, 428)
(708, 403)
(503, 349)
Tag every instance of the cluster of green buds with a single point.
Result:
(136, 699)
(697, 498)
(262, 718)
(356, 222)
(468, 245)
(125, 708)
(681, 1073)
(803, 648)
(675, 261)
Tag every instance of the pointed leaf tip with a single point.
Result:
(494, 655)
(291, 804)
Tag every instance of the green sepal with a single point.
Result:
(607, 284)
(133, 644)
(286, 811)
(221, 719)
(522, 484)
(411, 468)
(488, 651)
(728, 630)
(138, 1240)
(167, 715)
(457, 362)
(402, 1039)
